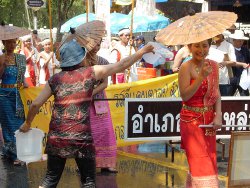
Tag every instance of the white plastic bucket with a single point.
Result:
(29, 145)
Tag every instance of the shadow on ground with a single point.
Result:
(139, 166)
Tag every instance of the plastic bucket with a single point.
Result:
(145, 73)
(29, 145)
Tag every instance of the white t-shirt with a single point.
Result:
(124, 52)
(227, 48)
(42, 73)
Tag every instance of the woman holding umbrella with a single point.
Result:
(12, 69)
(199, 90)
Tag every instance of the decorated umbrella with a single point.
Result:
(196, 27)
(88, 34)
(11, 32)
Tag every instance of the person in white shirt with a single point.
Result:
(31, 54)
(243, 61)
(47, 63)
(230, 60)
(122, 50)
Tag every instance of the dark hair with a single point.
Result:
(72, 30)
(191, 12)
(122, 29)
(34, 32)
(210, 40)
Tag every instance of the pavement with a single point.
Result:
(139, 166)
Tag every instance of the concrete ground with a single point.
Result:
(139, 166)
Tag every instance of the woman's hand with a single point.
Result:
(175, 69)
(206, 69)
(25, 127)
(217, 122)
(222, 65)
(245, 65)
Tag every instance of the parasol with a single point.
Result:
(8, 32)
(116, 21)
(88, 34)
(196, 28)
(144, 23)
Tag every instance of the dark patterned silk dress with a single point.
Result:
(69, 133)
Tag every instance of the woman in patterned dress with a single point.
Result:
(199, 89)
(12, 69)
(69, 133)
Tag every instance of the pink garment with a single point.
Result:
(120, 78)
(104, 138)
(102, 132)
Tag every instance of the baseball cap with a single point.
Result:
(140, 37)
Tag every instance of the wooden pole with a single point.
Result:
(131, 35)
(27, 12)
(51, 37)
(87, 11)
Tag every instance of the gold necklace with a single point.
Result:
(197, 69)
(10, 60)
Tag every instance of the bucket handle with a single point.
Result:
(44, 139)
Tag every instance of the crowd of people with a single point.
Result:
(81, 128)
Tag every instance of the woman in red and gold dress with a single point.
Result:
(199, 90)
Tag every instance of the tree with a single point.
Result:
(13, 12)
(62, 10)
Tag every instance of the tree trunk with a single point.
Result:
(62, 10)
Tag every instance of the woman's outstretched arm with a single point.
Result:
(103, 71)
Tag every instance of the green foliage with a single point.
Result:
(13, 12)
